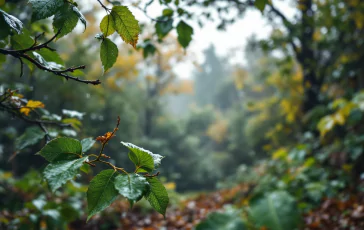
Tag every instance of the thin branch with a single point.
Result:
(103, 6)
(19, 54)
(45, 130)
(150, 17)
(21, 67)
(33, 121)
(289, 26)
(145, 11)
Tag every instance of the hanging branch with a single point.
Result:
(7, 105)
(22, 54)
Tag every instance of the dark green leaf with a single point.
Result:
(45, 8)
(260, 4)
(101, 192)
(22, 41)
(115, 3)
(217, 221)
(148, 49)
(2, 59)
(163, 28)
(5, 29)
(107, 26)
(87, 143)
(31, 136)
(132, 186)
(144, 160)
(59, 172)
(108, 54)
(62, 148)
(125, 24)
(65, 20)
(157, 196)
(278, 210)
(184, 32)
(168, 12)
(11, 22)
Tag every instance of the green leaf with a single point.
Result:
(87, 143)
(217, 221)
(21, 41)
(132, 186)
(79, 15)
(168, 12)
(101, 192)
(51, 56)
(2, 59)
(184, 32)
(11, 21)
(163, 28)
(45, 8)
(125, 24)
(86, 168)
(59, 172)
(49, 65)
(65, 20)
(5, 29)
(31, 136)
(107, 26)
(148, 49)
(278, 210)
(108, 54)
(260, 4)
(144, 160)
(157, 196)
(63, 148)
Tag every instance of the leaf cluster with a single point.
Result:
(66, 157)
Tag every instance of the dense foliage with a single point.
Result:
(280, 137)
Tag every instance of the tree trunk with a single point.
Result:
(307, 57)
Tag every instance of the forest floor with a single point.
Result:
(332, 213)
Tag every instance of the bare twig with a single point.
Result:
(22, 54)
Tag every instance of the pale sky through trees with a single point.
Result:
(230, 42)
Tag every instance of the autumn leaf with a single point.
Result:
(31, 105)
(106, 137)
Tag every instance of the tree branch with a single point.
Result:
(19, 54)
(289, 27)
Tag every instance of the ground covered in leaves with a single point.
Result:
(333, 213)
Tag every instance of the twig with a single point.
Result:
(103, 6)
(19, 54)
(33, 121)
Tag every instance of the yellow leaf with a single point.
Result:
(347, 167)
(339, 118)
(75, 123)
(326, 124)
(309, 162)
(25, 111)
(170, 186)
(35, 104)
(31, 105)
(281, 153)
(217, 131)
(267, 147)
